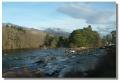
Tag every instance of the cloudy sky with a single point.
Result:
(65, 15)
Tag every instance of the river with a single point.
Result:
(51, 61)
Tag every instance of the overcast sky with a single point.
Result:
(65, 15)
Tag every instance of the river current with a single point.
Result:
(50, 60)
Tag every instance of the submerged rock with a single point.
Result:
(51, 69)
(72, 71)
(39, 61)
(39, 72)
(50, 58)
(9, 74)
(23, 73)
(42, 60)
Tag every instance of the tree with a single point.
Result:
(48, 40)
(84, 38)
(113, 33)
(63, 42)
(109, 38)
(51, 41)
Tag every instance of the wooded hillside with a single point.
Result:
(16, 37)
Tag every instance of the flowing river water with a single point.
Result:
(51, 61)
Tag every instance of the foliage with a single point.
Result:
(113, 33)
(16, 37)
(109, 38)
(51, 41)
(84, 37)
(63, 42)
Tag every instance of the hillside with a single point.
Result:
(17, 37)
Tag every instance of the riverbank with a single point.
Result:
(78, 50)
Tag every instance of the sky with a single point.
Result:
(65, 15)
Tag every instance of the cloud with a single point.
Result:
(106, 29)
(100, 17)
(102, 20)
(91, 15)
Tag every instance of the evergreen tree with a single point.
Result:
(84, 38)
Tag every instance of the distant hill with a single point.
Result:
(17, 37)
(57, 32)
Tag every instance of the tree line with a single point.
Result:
(85, 37)
(16, 37)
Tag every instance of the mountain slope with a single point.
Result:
(17, 37)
